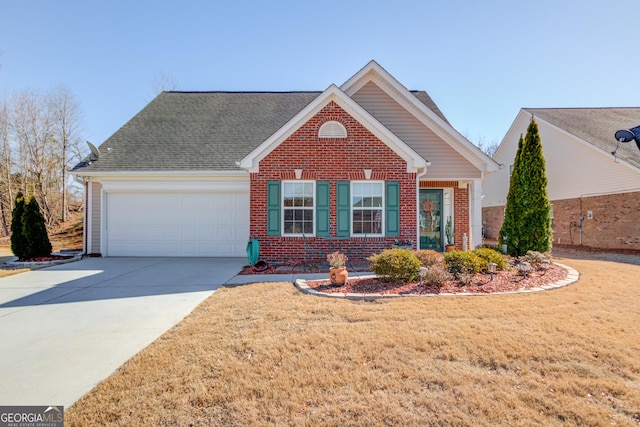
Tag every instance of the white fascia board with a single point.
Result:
(176, 186)
(392, 87)
(414, 161)
(160, 174)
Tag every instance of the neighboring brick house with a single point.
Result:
(198, 174)
(595, 195)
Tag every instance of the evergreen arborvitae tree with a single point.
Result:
(35, 230)
(527, 221)
(18, 239)
(513, 218)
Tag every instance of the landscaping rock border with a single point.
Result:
(572, 277)
(73, 258)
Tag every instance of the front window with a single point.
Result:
(367, 207)
(298, 207)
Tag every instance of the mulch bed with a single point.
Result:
(46, 258)
(503, 281)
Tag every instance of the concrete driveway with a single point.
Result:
(63, 329)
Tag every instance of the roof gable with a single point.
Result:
(430, 117)
(333, 94)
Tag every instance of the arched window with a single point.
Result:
(332, 129)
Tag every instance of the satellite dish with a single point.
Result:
(627, 136)
(624, 136)
(95, 153)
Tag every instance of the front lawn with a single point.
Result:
(266, 354)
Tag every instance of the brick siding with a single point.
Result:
(615, 225)
(329, 159)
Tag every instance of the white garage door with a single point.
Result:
(177, 224)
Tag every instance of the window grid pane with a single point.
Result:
(367, 204)
(298, 203)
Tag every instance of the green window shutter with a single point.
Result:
(343, 209)
(392, 208)
(322, 208)
(273, 208)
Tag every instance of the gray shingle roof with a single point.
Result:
(202, 131)
(197, 130)
(596, 126)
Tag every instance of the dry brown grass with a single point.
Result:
(265, 354)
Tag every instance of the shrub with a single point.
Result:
(461, 262)
(35, 230)
(496, 248)
(18, 238)
(491, 255)
(466, 278)
(535, 258)
(429, 258)
(437, 275)
(395, 265)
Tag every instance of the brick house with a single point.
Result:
(198, 174)
(595, 195)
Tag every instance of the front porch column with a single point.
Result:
(475, 213)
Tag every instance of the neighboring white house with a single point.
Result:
(595, 194)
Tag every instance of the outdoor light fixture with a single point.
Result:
(545, 266)
(423, 274)
(492, 268)
(524, 267)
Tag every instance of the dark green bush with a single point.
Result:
(429, 257)
(491, 255)
(35, 230)
(18, 238)
(461, 263)
(395, 265)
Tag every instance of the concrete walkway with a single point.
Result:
(64, 329)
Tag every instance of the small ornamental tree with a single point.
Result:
(35, 230)
(18, 239)
(527, 220)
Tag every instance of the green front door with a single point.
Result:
(430, 222)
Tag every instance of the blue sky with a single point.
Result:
(480, 61)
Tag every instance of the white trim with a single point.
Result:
(88, 218)
(175, 186)
(103, 222)
(414, 161)
(383, 223)
(312, 209)
(163, 174)
(475, 214)
(448, 210)
(392, 87)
